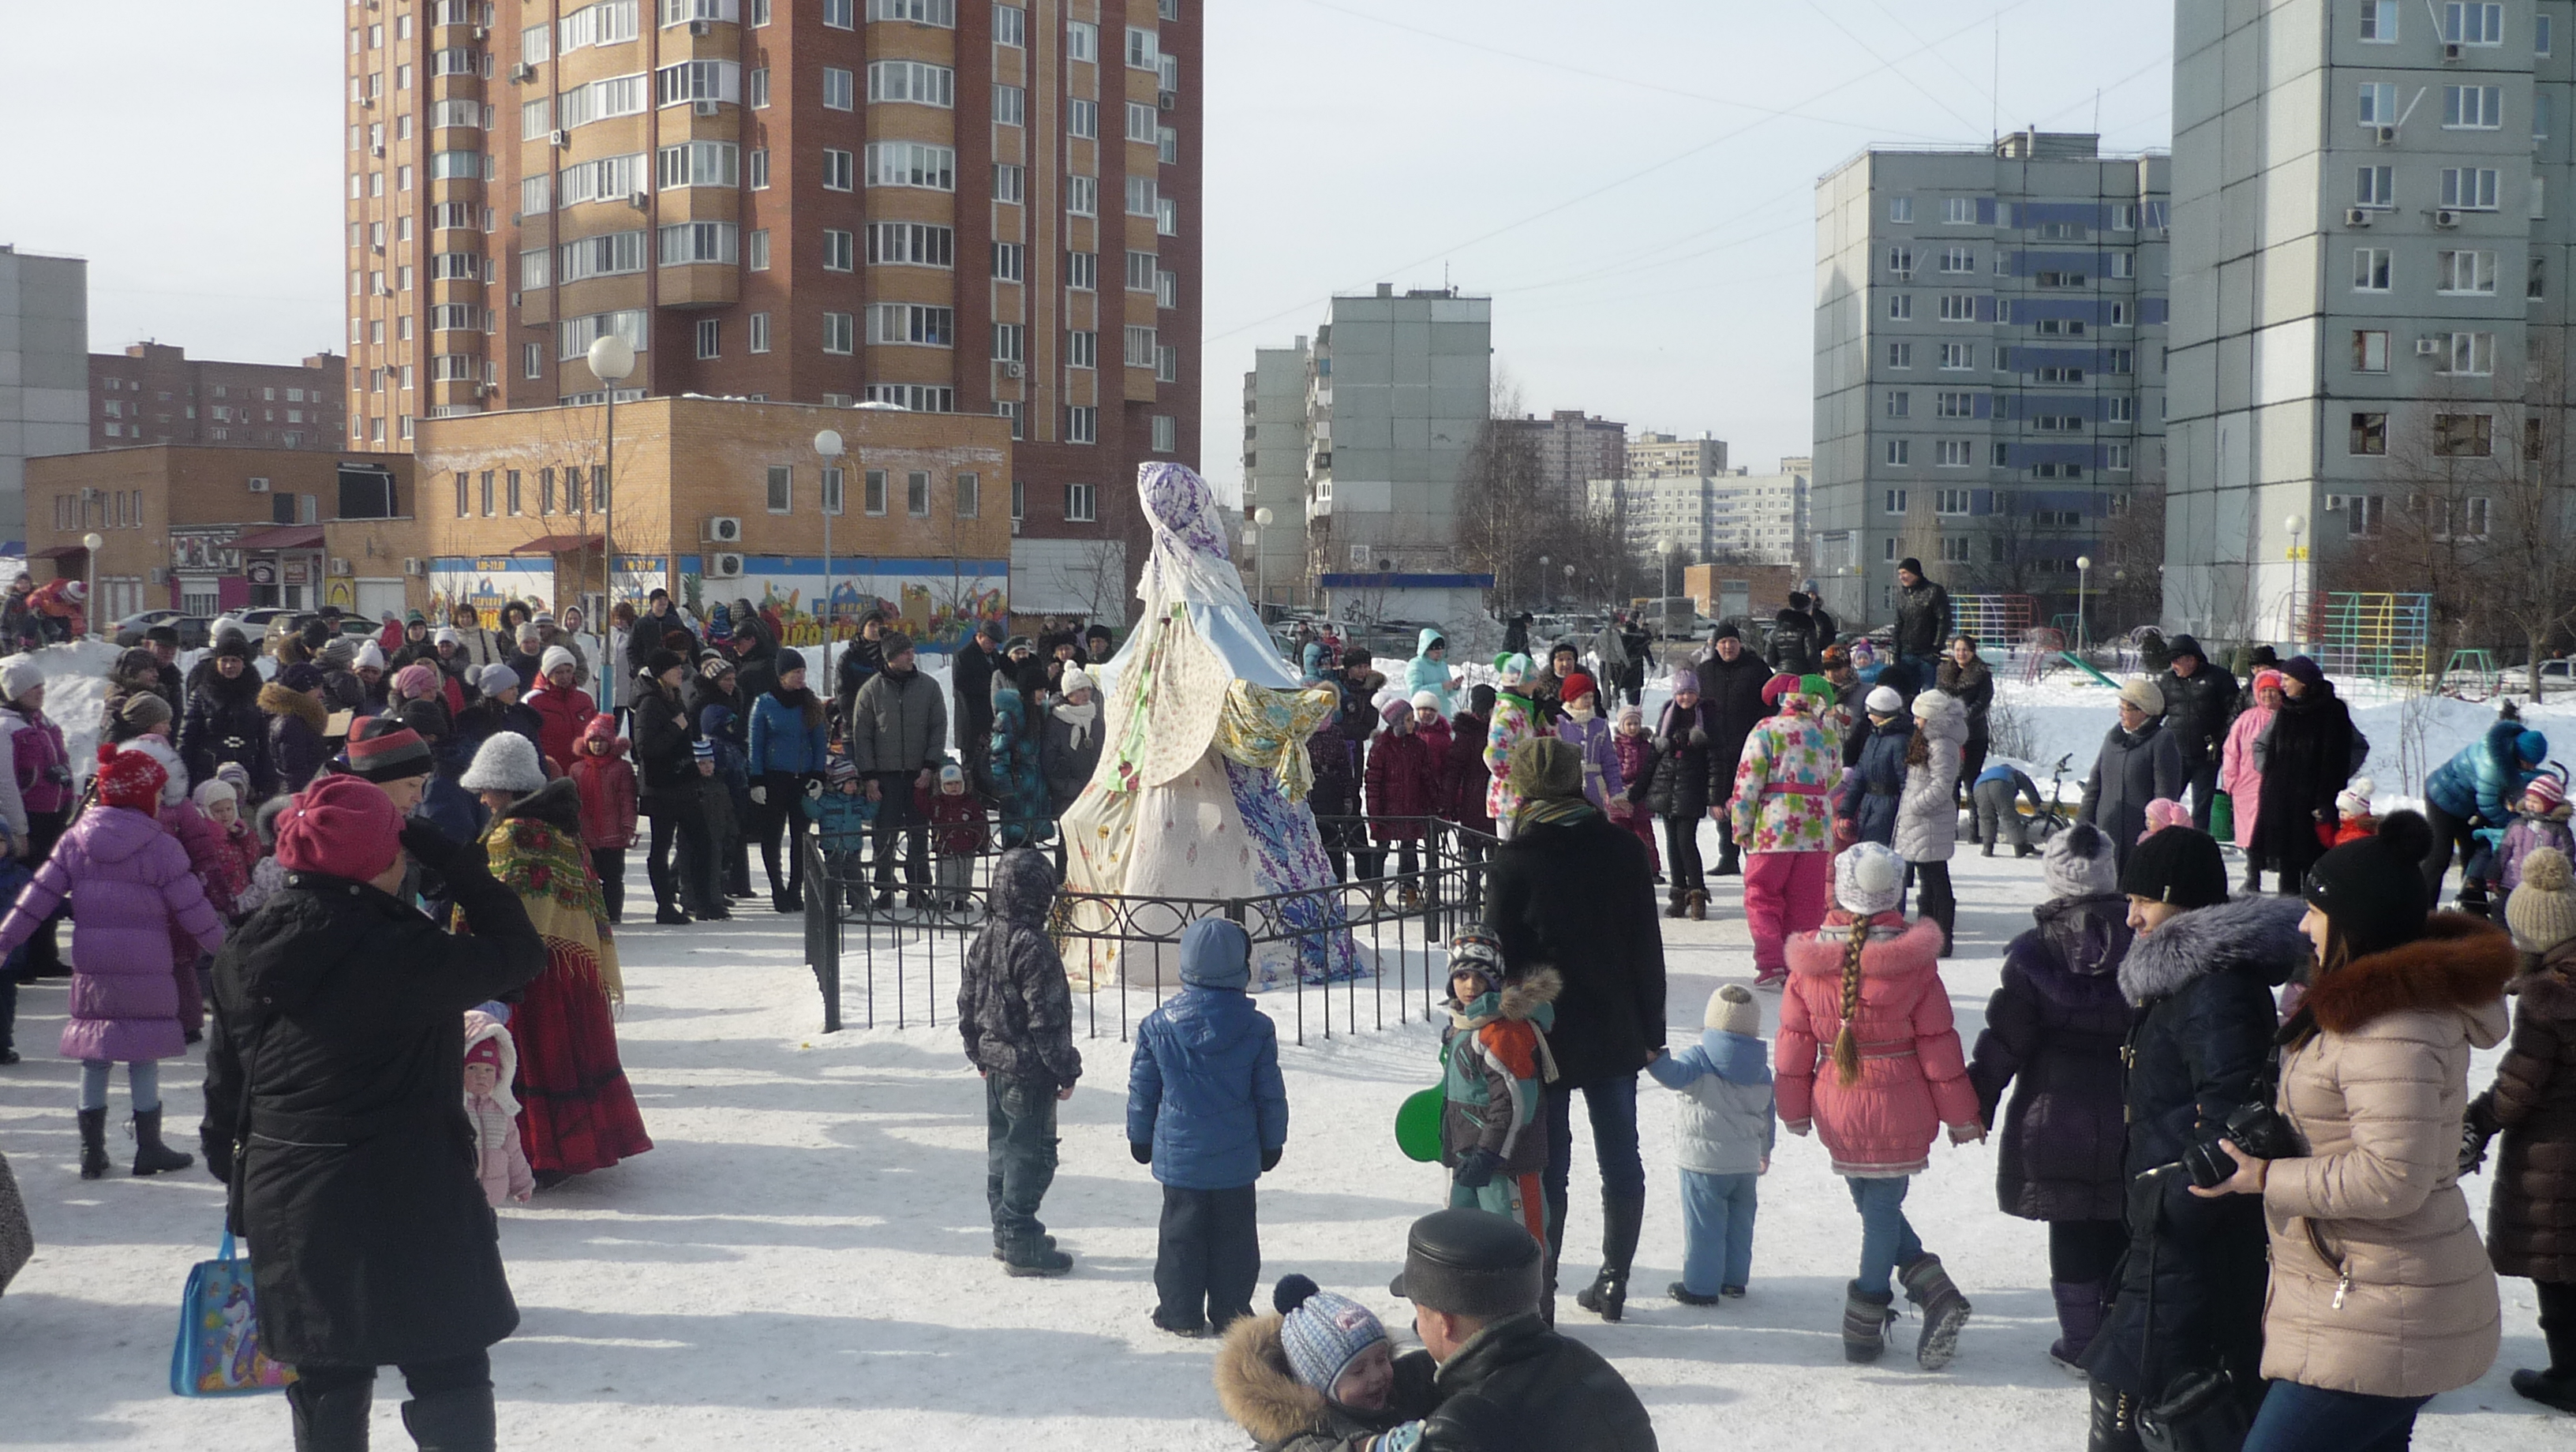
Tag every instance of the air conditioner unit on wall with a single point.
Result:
(705, 108)
(259, 486)
(2356, 217)
(559, 137)
(2384, 135)
(640, 201)
(724, 529)
(2428, 347)
(700, 27)
(724, 565)
(340, 566)
(2452, 53)
(2445, 217)
(1011, 370)
(522, 72)
(414, 565)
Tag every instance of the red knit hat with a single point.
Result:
(1575, 687)
(341, 826)
(1776, 687)
(132, 779)
(485, 1050)
(2547, 790)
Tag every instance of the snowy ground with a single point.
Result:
(801, 1260)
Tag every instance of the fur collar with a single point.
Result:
(1896, 948)
(2259, 935)
(1256, 1388)
(1524, 995)
(2461, 962)
(278, 700)
(2545, 989)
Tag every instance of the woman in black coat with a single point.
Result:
(225, 722)
(2053, 1032)
(2199, 978)
(1572, 892)
(2306, 756)
(1689, 779)
(1964, 675)
(334, 1109)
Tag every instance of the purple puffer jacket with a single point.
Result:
(130, 881)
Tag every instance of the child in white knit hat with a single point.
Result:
(1726, 1134)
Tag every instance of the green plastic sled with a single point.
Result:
(1417, 1125)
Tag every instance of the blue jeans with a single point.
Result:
(1717, 1231)
(142, 1082)
(1612, 1106)
(1926, 669)
(2300, 1418)
(1887, 1238)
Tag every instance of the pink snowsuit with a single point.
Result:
(499, 1161)
(1913, 1077)
(2237, 775)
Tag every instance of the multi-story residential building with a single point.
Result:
(1575, 448)
(1656, 456)
(1990, 331)
(1741, 517)
(2370, 282)
(154, 393)
(1396, 394)
(1274, 471)
(44, 373)
(954, 208)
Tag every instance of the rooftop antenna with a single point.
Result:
(1994, 86)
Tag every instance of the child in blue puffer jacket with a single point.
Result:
(1726, 1133)
(1207, 1109)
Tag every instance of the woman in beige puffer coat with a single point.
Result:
(2381, 1293)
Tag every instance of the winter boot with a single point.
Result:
(451, 1421)
(93, 1133)
(1944, 1310)
(1036, 1258)
(2079, 1317)
(1866, 1315)
(2025, 850)
(1698, 906)
(1000, 1252)
(334, 1420)
(1689, 1297)
(1676, 904)
(151, 1156)
(2112, 1423)
(1622, 1220)
(2547, 1389)
(1728, 865)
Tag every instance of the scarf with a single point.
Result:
(1079, 718)
(1580, 711)
(1539, 810)
(1488, 1008)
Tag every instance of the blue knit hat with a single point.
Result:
(1322, 1333)
(2531, 747)
(704, 750)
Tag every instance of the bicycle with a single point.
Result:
(2054, 816)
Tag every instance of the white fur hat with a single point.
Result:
(2354, 800)
(1077, 679)
(20, 676)
(555, 658)
(507, 762)
(1868, 879)
(370, 657)
(213, 790)
(1884, 701)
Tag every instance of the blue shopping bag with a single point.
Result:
(218, 1352)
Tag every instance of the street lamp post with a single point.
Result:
(2083, 568)
(91, 544)
(828, 444)
(1260, 582)
(1542, 584)
(612, 362)
(2297, 524)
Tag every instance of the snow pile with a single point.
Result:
(76, 694)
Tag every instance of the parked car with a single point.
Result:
(192, 628)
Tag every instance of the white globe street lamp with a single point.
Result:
(2083, 569)
(612, 362)
(827, 443)
(91, 544)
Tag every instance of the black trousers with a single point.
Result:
(608, 864)
(677, 817)
(782, 817)
(44, 951)
(899, 819)
(450, 1406)
(1935, 901)
(2085, 1250)
(2450, 832)
(1972, 759)
(1682, 865)
(1208, 1258)
(2558, 1325)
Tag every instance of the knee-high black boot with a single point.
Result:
(451, 1421)
(332, 1419)
(1623, 1219)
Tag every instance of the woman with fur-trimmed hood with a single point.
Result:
(297, 721)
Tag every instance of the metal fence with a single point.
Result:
(889, 955)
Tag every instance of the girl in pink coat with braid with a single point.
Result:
(1869, 1061)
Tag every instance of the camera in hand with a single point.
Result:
(2258, 1129)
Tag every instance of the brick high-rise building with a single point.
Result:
(154, 393)
(1575, 448)
(955, 207)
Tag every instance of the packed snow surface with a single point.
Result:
(802, 1259)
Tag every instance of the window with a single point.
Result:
(942, 13)
(837, 171)
(840, 89)
(840, 251)
(2369, 434)
(839, 15)
(1082, 426)
(872, 492)
(1958, 259)
(911, 164)
(1167, 146)
(1954, 405)
(1081, 41)
(1010, 262)
(1082, 271)
(759, 170)
(755, 88)
(1082, 119)
(2059, 327)
(2469, 188)
(1900, 306)
(1081, 349)
(696, 164)
(931, 327)
(1949, 501)
(608, 255)
(1143, 53)
(2370, 269)
(1900, 355)
(1167, 362)
(1166, 433)
(2379, 21)
(1141, 122)
(2469, 354)
(1081, 503)
(1900, 261)
(918, 397)
(2472, 108)
(2119, 360)
(2540, 115)
(1959, 211)
(2536, 284)
(2378, 103)
(2534, 439)
(2540, 35)
(2115, 456)
(922, 85)
(2369, 350)
(1900, 451)
(1010, 25)
(1958, 307)
(2375, 187)
(1011, 105)
(782, 489)
(2060, 279)
(2124, 216)
(534, 268)
(1900, 209)
(2473, 23)
(706, 80)
(1009, 343)
(1900, 403)
(755, 249)
(2465, 272)
(916, 493)
(1954, 454)
(2057, 375)
(2124, 265)
(1140, 347)
(1140, 196)
(914, 243)
(1141, 271)
(757, 12)
(1082, 196)
(2057, 471)
(2464, 435)
(575, 335)
(759, 329)
(838, 336)
(1009, 182)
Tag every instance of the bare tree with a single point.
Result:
(2131, 557)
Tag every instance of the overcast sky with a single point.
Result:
(1631, 182)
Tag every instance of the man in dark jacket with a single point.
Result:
(666, 769)
(334, 1094)
(163, 642)
(971, 677)
(861, 659)
(1493, 1375)
(1800, 632)
(1730, 693)
(898, 739)
(1922, 619)
(1576, 894)
(2200, 702)
(1015, 1012)
(652, 632)
(755, 659)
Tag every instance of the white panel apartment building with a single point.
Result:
(2370, 250)
(1989, 371)
(1746, 517)
(1274, 470)
(44, 373)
